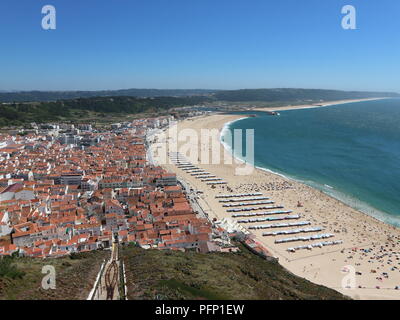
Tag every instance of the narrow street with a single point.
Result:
(108, 287)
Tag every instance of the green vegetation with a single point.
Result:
(38, 96)
(99, 107)
(8, 269)
(278, 94)
(21, 278)
(153, 274)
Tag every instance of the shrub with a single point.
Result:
(8, 269)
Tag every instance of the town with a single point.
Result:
(69, 189)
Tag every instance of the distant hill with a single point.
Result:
(247, 95)
(290, 94)
(38, 96)
(72, 109)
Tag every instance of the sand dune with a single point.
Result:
(315, 105)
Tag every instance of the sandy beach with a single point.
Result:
(370, 248)
(314, 105)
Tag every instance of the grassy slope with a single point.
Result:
(74, 277)
(175, 275)
(153, 274)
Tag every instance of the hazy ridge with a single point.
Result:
(266, 95)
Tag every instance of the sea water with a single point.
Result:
(349, 151)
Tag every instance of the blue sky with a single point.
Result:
(219, 44)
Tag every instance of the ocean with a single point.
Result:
(349, 151)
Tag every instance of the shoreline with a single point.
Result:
(368, 209)
(317, 105)
(321, 265)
